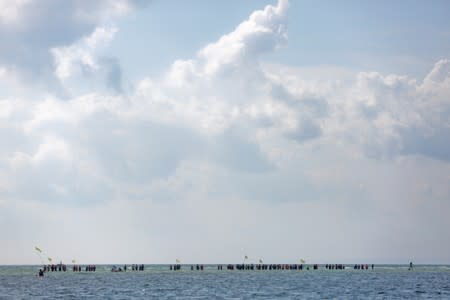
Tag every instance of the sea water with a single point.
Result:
(158, 282)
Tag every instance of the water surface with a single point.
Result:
(384, 282)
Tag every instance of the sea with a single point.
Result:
(159, 282)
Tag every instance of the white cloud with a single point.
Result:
(30, 29)
(223, 143)
(263, 31)
(80, 57)
(220, 85)
(244, 125)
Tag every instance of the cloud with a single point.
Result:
(184, 115)
(385, 115)
(29, 30)
(222, 82)
(84, 59)
(222, 143)
(196, 112)
(79, 56)
(408, 113)
(264, 31)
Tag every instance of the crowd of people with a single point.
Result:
(135, 267)
(55, 268)
(63, 268)
(267, 267)
(362, 267)
(272, 267)
(125, 267)
(335, 267)
(176, 267)
(197, 267)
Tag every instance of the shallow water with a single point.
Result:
(384, 282)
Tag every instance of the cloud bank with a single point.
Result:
(220, 152)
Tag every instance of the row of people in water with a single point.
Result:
(342, 267)
(135, 267)
(177, 267)
(271, 267)
(275, 267)
(92, 268)
(63, 268)
(362, 267)
(268, 267)
(125, 267)
(88, 268)
(55, 268)
(335, 267)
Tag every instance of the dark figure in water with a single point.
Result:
(410, 266)
(41, 273)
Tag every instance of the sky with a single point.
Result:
(140, 131)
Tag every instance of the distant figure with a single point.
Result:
(41, 273)
(410, 266)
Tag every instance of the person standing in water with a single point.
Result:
(410, 266)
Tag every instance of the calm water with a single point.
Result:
(384, 282)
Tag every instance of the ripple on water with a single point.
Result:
(161, 284)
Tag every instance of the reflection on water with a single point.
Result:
(385, 282)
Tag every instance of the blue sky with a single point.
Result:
(142, 132)
(359, 34)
